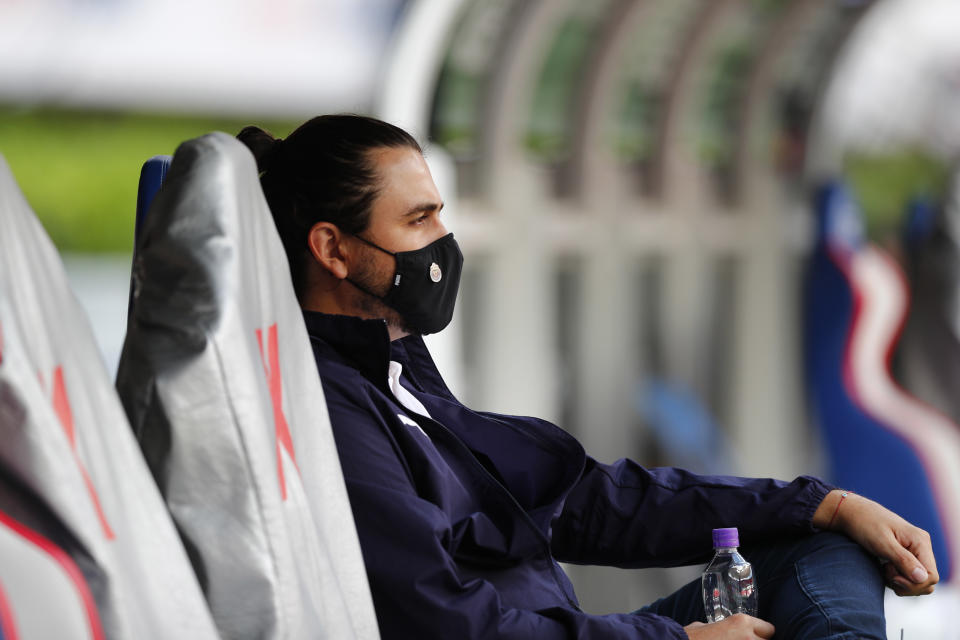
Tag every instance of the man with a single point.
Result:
(463, 515)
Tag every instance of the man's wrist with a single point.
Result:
(827, 516)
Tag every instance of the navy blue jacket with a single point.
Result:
(463, 516)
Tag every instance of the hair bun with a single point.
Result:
(262, 144)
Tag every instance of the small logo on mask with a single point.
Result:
(435, 273)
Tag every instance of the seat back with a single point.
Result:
(881, 441)
(152, 175)
(928, 357)
(87, 548)
(221, 388)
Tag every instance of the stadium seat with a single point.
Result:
(218, 380)
(882, 442)
(152, 175)
(87, 547)
(928, 356)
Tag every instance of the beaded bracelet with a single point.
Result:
(843, 495)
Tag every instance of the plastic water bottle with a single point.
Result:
(728, 581)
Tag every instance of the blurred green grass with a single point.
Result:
(79, 169)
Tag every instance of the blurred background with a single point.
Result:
(631, 182)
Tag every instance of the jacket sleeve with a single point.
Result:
(416, 587)
(627, 516)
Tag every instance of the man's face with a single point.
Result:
(404, 217)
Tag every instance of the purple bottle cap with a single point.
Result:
(729, 537)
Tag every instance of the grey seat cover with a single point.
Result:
(87, 548)
(219, 382)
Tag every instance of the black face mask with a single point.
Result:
(425, 285)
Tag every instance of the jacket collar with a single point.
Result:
(363, 344)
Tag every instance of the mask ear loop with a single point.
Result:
(357, 284)
(375, 246)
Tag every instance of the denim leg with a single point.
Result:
(685, 605)
(815, 587)
(821, 586)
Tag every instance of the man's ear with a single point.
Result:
(324, 241)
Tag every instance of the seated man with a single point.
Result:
(462, 515)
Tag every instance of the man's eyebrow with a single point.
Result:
(424, 208)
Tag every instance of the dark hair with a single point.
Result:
(321, 172)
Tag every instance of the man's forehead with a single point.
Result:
(405, 181)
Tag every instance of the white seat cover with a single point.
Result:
(36, 573)
(220, 384)
(82, 519)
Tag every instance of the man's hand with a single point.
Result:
(911, 569)
(737, 627)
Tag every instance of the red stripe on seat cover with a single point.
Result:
(271, 367)
(69, 568)
(61, 406)
(8, 625)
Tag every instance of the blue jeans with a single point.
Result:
(814, 587)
